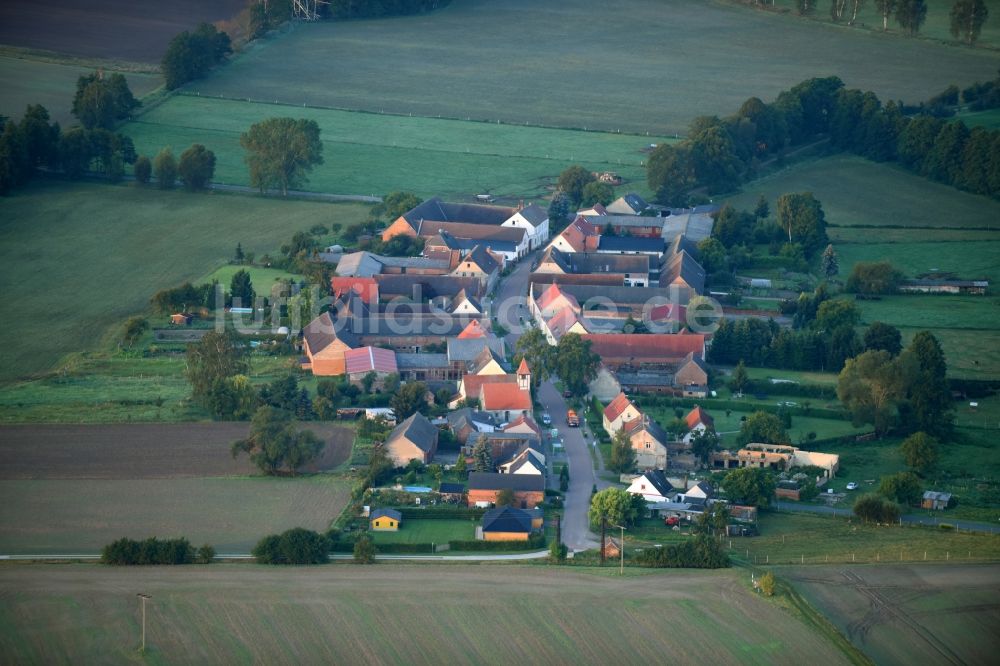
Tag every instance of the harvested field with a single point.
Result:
(83, 515)
(396, 614)
(112, 29)
(141, 451)
(917, 614)
(632, 65)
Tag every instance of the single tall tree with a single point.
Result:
(749, 485)
(930, 395)
(101, 100)
(920, 451)
(830, 263)
(740, 378)
(482, 456)
(575, 363)
(281, 151)
(536, 350)
(572, 181)
(886, 9)
(197, 167)
(883, 336)
(911, 14)
(165, 169)
(241, 288)
(622, 453)
(408, 400)
(967, 19)
(275, 444)
(762, 428)
(218, 356)
(801, 216)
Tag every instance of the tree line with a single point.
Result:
(722, 153)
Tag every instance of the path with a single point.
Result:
(247, 556)
(910, 519)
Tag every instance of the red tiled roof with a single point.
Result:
(473, 330)
(644, 346)
(667, 312)
(699, 415)
(365, 288)
(367, 359)
(523, 368)
(526, 420)
(616, 407)
(577, 233)
(474, 383)
(505, 396)
(563, 320)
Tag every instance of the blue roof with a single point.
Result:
(631, 244)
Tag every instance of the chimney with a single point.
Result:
(520, 204)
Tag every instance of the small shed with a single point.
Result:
(181, 319)
(788, 490)
(386, 520)
(612, 548)
(935, 501)
(760, 283)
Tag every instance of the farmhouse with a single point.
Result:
(367, 264)
(505, 523)
(535, 221)
(699, 492)
(777, 457)
(482, 264)
(629, 204)
(529, 489)
(649, 441)
(653, 486)
(935, 501)
(653, 246)
(632, 269)
(579, 236)
(628, 224)
(528, 461)
(416, 438)
(644, 351)
(697, 422)
(386, 520)
(466, 422)
(619, 411)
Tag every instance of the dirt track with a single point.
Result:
(112, 29)
(140, 451)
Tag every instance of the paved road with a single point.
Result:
(910, 519)
(510, 303)
(246, 556)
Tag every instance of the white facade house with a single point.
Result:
(653, 486)
(535, 222)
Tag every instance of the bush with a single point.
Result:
(206, 554)
(702, 552)
(126, 551)
(295, 546)
(364, 550)
(767, 584)
(872, 508)
(143, 169)
(946, 526)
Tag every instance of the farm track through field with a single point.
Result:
(884, 610)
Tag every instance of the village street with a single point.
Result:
(509, 305)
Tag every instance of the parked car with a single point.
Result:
(572, 420)
(567, 394)
(546, 419)
(672, 521)
(852, 486)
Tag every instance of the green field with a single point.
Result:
(25, 81)
(370, 153)
(581, 63)
(794, 538)
(82, 515)
(397, 614)
(261, 278)
(429, 531)
(75, 259)
(937, 25)
(989, 119)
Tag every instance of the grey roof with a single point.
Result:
(506, 519)
(483, 259)
(697, 226)
(388, 513)
(635, 379)
(456, 417)
(492, 481)
(321, 332)
(594, 262)
(462, 296)
(618, 295)
(653, 428)
(452, 488)
(445, 239)
(467, 349)
(682, 242)
(628, 203)
(442, 325)
(601, 221)
(441, 211)
(525, 457)
(631, 244)
(936, 495)
(929, 282)
(418, 430)
(684, 266)
(658, 479)
(425, 286)
(534, 214)
(358, 264)
(421, 361)
(483, 358)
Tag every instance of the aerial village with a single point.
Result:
(621, 278)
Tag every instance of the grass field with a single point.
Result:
(76, 259)
(82, 515)
(25, 81)
(793, 538)
(261, 278)
(989, 119)
(582, 63)
(937, 25)
(385, 615)
(429, 531)
(370, 153)
(959, 234)
(909, 613)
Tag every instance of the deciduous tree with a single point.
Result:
(281, 151)
(575, 363)
(616, 506)
(572, 181)
(801, 216)
(911, 14)
(197, 167)
(872, 385)
(101, 100)
(883, 336)
(749, 485)
(143, 169)
(536, 350)
(967, 19)
(408, 400)
(165, 169)
(218, 355)
(920, 451)
(903, 487)
(622, 453)
(274, 443)
(762, 428)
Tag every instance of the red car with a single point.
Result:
(672, 521)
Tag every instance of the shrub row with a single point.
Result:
(803, 390)
(703, 552)
(126, 551)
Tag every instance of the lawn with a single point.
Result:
(908, 614)
(371, 153)
(261, 278)
(578, 63)
(82, 515)
(800, 377)
(76, 259)
(429, 531)
(728, 426)
(794, 538)
(25, 81)
(990, 119)
(458, 614)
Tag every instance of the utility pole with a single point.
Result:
(142, 601)
(621, 551)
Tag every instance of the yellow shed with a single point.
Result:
(386, 520)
